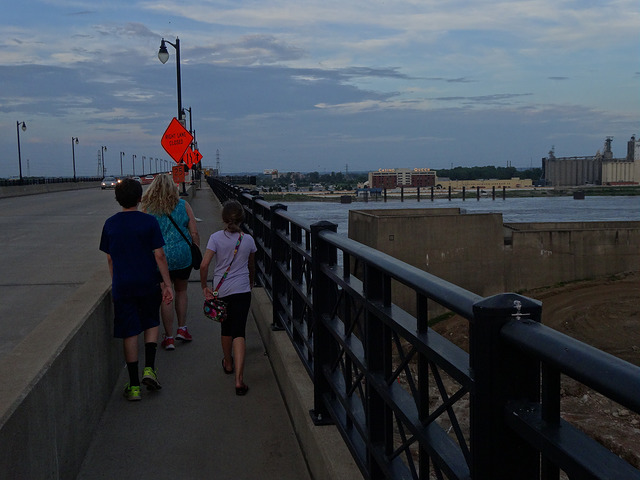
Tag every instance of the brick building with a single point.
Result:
(402, 177)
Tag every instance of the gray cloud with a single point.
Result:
(249, 50)
(355, 72)
(134, 29)
(450, 80)
(495, 99)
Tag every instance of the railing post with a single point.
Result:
(324, 298)
(377, 352)
(500, 374)
(253, 222)
(278, 255)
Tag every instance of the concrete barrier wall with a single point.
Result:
(325, 452)
(541, 256)
(466, 250)
(57, 382)
(21, 190)
(481, 254)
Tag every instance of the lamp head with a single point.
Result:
(77, 141)
(24, 127)
(163, 53)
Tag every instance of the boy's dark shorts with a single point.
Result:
(134, 315)
(182, 274)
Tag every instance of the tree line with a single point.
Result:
(343, 181)
(489, 172)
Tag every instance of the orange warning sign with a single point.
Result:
(191, 157)
(178, 172)
(176, 140)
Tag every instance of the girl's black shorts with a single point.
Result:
(237, 311)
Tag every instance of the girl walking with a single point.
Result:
(231, 247)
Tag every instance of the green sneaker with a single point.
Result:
(150, 379)
(132, 393)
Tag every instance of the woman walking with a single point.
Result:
(234, 253)
(163, 202)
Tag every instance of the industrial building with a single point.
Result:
(390, 178)
(600, 169)
(514, 182)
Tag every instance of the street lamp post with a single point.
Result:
(133, 158)
(102, 150)
(190, 120)
(121, 155)
(199, 164)
(143, 159)
(163, 56)
(156, 165)
(74, 142)
(24, 129)
(191, 145)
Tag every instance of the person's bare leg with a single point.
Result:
(151, 335)
(130, 345)
(239, 349)
(166, 313)
(181, 301)
(227, 342)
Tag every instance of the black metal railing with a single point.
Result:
(409, 403)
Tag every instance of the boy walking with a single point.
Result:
(140, 281)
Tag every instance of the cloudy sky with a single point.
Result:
(318, 85)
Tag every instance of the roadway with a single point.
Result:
(49, 248)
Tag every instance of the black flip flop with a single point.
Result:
(240, 391)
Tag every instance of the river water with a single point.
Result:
(513, 210)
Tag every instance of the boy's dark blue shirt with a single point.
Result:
(130, 239)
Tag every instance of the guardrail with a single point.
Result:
(409, 403)
(5, 182)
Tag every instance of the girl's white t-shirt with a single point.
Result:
(223, 243)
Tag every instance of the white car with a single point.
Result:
(109, 182)
(137, 179)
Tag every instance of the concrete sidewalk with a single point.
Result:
(196, 427)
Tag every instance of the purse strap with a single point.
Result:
(179, 229)
(224, 275)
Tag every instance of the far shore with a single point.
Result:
(411, 194)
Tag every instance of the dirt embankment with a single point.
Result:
(602, 313)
